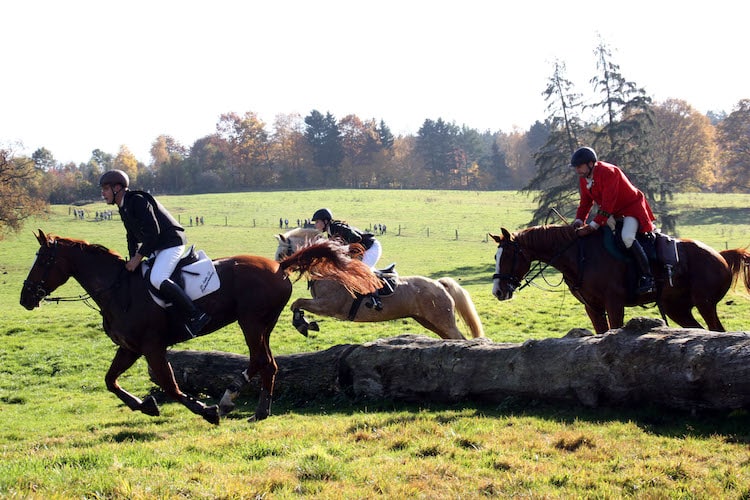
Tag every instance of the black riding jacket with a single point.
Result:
(350, 234)
(149, 226)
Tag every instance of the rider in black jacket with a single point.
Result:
(152, 231)
(324, 221)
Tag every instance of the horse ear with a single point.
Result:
(495, 237)
(506, 234)
(41, 237)
(281, 238)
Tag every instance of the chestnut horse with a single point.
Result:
(431, 303)
(253, 292)
(598, 279)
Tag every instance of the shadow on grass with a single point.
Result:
(725, 215)
(733, 426)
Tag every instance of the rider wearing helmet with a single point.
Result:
(152, 231)
(605, 185)
(324, 221)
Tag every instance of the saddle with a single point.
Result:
(195, 273)
(388, 277)
(661, 250)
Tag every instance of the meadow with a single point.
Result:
(64, 436)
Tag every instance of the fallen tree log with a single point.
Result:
(642, 363)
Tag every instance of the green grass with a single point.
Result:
(64, 436)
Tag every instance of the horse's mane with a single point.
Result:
(554, 236)
(82, 244)
(305, 233)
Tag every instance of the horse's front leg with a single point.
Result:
(124, 359)
(299, 321)
(164, 376)
(598, 318)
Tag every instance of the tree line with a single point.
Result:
(664, 147)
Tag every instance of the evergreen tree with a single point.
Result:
(555, 185)
(324, 137)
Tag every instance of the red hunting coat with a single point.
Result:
(615, 195)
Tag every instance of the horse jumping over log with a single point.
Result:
(598, 279)
(432, 303)
(254, 291)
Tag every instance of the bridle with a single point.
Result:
(48, 260)
(535, 270)
(513, 282)
(289, 248)
(38, 289)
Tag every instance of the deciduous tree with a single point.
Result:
(21, 195)
(734, 146)
(683, 148)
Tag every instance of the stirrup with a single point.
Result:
(646, 285)
(196, 324)
(374, 303)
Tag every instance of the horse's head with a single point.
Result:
(47, 273)
(511, 265)
(293, 240)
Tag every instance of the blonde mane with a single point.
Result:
(303, 233)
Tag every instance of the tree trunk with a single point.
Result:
(642, 363)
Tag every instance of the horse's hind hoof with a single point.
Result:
(211, 414)
(313, 326)
(149, 406)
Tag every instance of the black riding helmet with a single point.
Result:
(581, 156)
(322, 214)
(114, 177)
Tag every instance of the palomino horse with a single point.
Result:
(253, 292)
(432, 303)
(598, 279)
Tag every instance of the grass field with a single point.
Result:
(64, 436)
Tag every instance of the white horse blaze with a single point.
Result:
(496, 281)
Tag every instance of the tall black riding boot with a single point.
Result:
(195, 319)
(646, 281)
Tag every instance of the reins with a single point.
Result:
(86, 299)
(538, 269)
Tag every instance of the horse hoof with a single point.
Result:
(257, 418)
(149, 406)
(225, 409)
(211, 414)
(313, 326)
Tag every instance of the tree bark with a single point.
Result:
(642, 363)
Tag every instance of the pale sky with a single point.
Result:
(85, 75)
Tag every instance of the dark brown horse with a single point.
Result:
(598, 279)
(254, 290)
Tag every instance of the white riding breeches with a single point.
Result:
(629, 228)
(164, 264)
(372, 254)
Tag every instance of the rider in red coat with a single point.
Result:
(616, 197)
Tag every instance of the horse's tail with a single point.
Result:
(329, 260)
(464, 306)
(739, 264)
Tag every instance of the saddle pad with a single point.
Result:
(200, 278)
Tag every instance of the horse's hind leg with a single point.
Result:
(682, 314)
(444, 330)
(257, 332)
(123, 360)
(708, 311)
